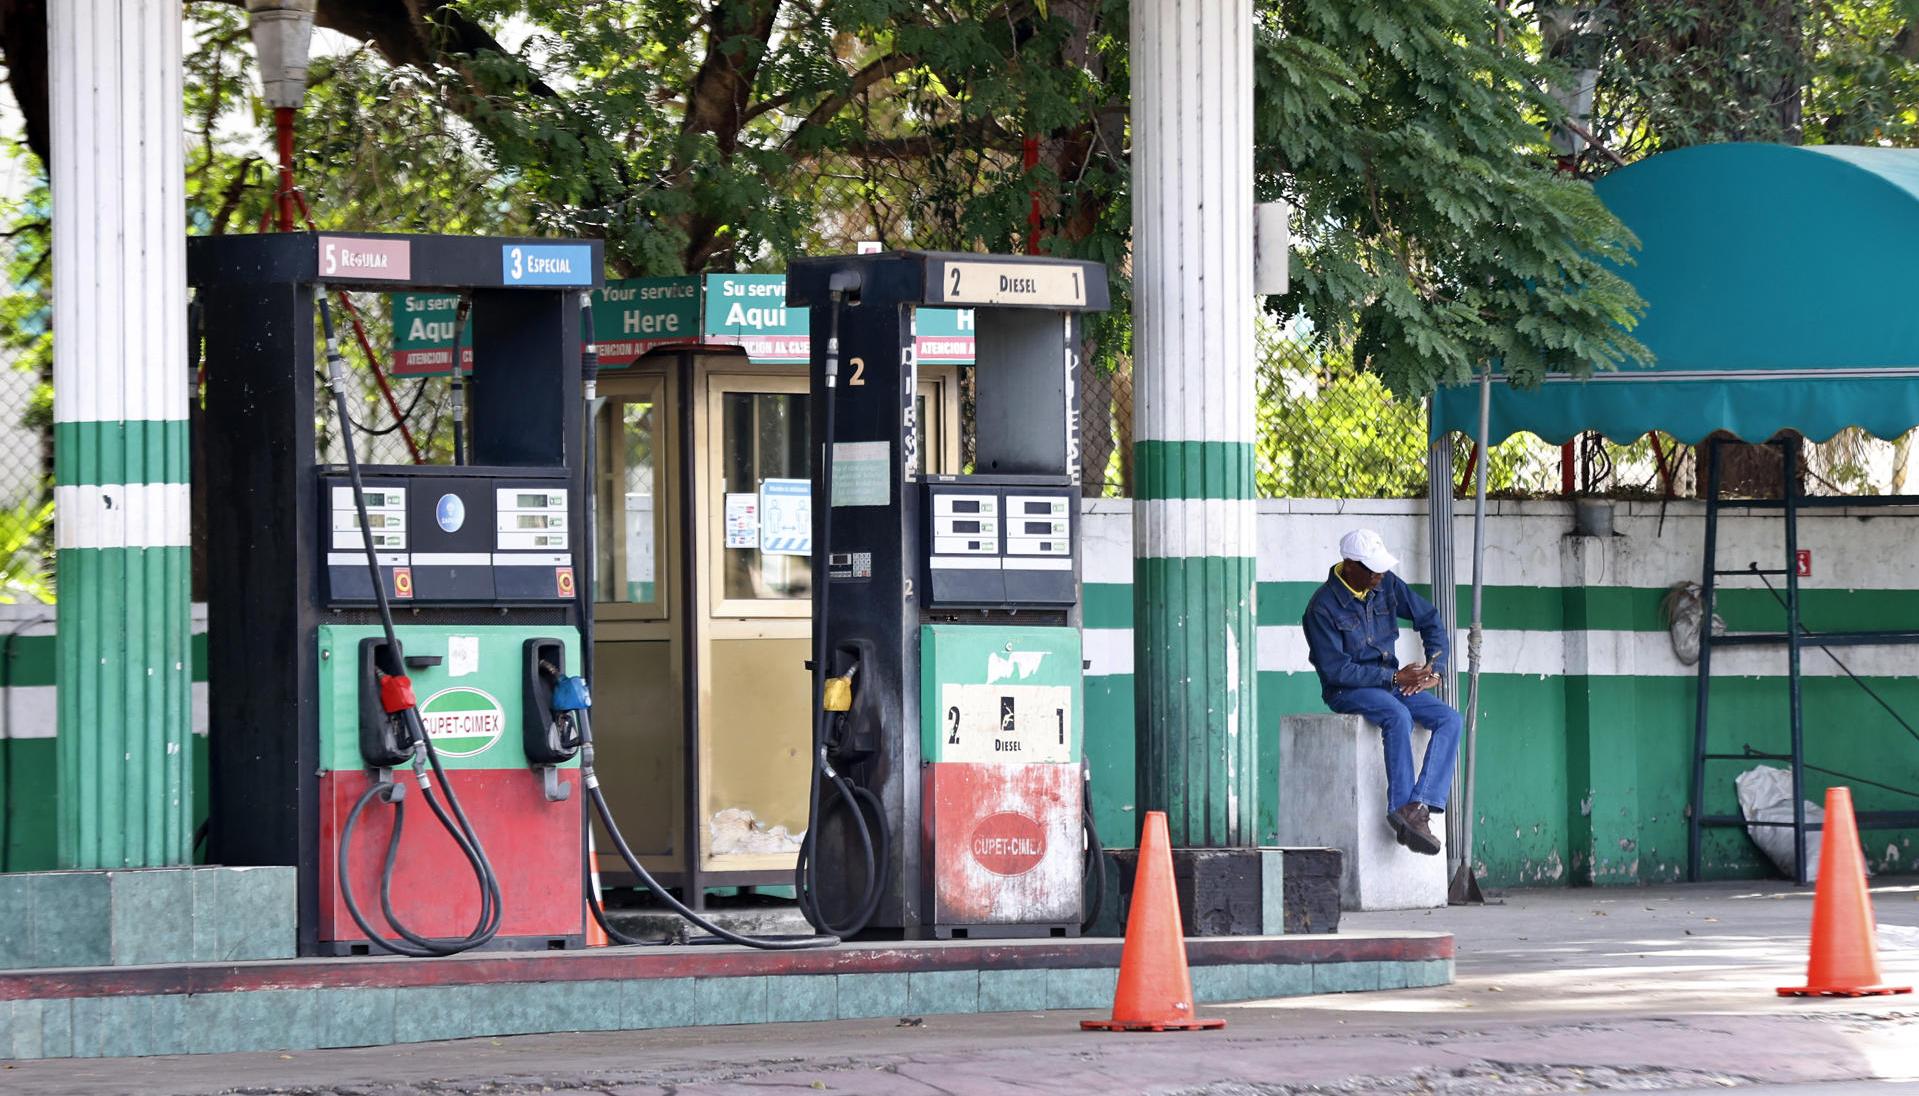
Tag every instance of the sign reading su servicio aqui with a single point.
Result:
(633, 317)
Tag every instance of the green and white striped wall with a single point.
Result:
(1586, 715)
(29, 724)
(1586, 718)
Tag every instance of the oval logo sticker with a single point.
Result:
(462, 721)
(450, 513)
(1008, 843)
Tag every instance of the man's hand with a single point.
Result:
(1415, 679)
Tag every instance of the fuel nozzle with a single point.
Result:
(837, 695)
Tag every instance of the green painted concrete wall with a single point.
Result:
(1584, 765)
(1586, 716)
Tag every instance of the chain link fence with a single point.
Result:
(26, 423)
(397, 418)
(1327, 429)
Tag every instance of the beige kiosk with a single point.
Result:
(702, 608)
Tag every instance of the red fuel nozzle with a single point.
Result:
(396, 694)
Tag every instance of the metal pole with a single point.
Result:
(1694, 818)
(1439, 516)
(1465, 885)
(1788, 462)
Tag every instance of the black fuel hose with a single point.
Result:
(591, 780)
(806, 869)
(589, 776)
(461, 831)
(1095, 870)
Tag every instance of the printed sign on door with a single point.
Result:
(786, 517)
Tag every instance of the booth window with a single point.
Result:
(766, 471)
(628, 534)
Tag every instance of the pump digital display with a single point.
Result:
(966, 527)
(966, 506)
(1039, 507)
(535, 501)
(537, 521)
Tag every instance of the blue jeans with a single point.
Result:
(1396, 715)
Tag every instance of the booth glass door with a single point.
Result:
(754, 591)
(755, 587)
(639, 729)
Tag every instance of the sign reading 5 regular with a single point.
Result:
(546, 264)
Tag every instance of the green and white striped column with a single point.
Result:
(1193, 542)
(123, 662)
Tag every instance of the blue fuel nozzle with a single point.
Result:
(570, 694)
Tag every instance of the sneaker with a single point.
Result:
(1409, 824)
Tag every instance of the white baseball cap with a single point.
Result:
(1365, 546)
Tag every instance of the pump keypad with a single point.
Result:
(997, 546)
(444, 539)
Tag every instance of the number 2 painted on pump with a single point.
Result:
(954, 291)
(953, 714)
(859, 372)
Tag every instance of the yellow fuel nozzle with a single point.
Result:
(838, 695)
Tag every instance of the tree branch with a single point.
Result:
(883, 68)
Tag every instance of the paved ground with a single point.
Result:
(1665, 988)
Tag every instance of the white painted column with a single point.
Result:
(123, 662)
(1193, 301)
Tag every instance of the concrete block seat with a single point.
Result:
(1332, 792)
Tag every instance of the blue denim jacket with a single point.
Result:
(1351, 640)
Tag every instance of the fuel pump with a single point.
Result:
(368, 619)
(948, 784)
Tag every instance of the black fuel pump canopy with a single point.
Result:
(380, 260)
(956, 279)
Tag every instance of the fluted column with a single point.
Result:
(1193, 513)
(123, 660)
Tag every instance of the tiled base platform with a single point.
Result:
(301, 1004)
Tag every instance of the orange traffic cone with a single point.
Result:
(595, 935)
(1844, 960)
(1155, 992)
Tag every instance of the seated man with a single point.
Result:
(1352, 627)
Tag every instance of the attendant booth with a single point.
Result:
(703, 603)
(1778, 281)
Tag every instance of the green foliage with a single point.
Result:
(26, 555)
(1327, 429)
(1433, 234)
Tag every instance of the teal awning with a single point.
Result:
(1781, 293)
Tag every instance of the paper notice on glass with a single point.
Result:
(742, 520)
(786, 517)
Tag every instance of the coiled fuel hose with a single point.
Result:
(572, 699)
(396, 693)
(874, 836)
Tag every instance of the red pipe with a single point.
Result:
(1567, 458)
(1472, 466)
(1030, 158)
(366, 346)
(1659, 457)
(283, 138)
